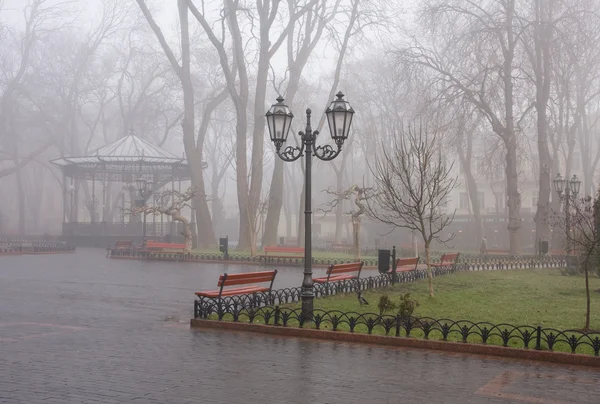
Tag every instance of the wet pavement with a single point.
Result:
(80, 328)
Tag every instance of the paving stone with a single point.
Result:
(80, 328)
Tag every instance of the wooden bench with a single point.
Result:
(448, 260)
(159, 245)
(120, 245)
(241, 279)
(123, 245)
(406, 264)
(341, 272)
(282, 252)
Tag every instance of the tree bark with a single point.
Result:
(510, 139)
(193, 151)
(429, 274)
(587, 298)
(465, 156)
(339, 210)
(187, 233)
(541, 65)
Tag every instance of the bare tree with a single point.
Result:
(193, 140)
(412, 184)
(583, 234)
(18, 60)
(478, 62)
(170, 203)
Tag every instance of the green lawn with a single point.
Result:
(316, 254)
(519, 297)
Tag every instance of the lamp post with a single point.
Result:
(279, 121)
(567, 190)
(144, 188)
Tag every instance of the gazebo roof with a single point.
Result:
(117, 161)
(129, 149)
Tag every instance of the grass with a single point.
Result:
(316, 254)
(519, 297)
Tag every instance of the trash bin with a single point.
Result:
(543, 247)
(224, 246)
(383, 260)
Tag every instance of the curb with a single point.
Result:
(448, 346)
(226, 262)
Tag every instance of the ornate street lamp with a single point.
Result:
(567, 191)
(279, 121)
(144, 188)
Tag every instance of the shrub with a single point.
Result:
(385, 304)
(407, 306)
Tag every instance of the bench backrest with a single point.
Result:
(247, 278)
(405, 262)
(274, 248)
(449, 258)
(123, 244)
(345, 268)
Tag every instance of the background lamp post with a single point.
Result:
(279, 121)
(144, 188)
(567, 191)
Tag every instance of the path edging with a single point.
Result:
(491, 350)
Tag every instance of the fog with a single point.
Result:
(509, 89)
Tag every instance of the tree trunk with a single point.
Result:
(275, 204)
(542, 79)
(510, 139)
(429, 274)
(22, 202)
(193, 151)
(587, 297)
(339, 209)
(215, 203)
(187, 233)
(514, 198)
(473, 191)
(356, 234)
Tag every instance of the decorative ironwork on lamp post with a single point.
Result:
(145, 190)
(567, 191)
(279, 121)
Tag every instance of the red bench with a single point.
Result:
(341, 272)
(121, 245)
(447, 260)
(282, 252)
(158, 245)
(241, 279)
(407, 264)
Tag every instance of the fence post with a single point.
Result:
(277, 314)
(195, 308)
(538, 338)
(397, 325)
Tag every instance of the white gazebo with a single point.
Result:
(114, 169)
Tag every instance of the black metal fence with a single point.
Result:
(507, 335)
(205, 307)
(265, 308)
(22, 246)
(473, 263)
